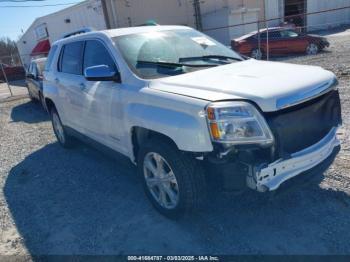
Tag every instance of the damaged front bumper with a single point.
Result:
(271, 176)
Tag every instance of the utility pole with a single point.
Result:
(197, 14)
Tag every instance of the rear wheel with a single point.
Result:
(173, 181)
(61, 134)
(312, 49)
(256, 54)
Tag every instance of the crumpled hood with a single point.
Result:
(271, 85)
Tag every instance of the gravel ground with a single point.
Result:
(56, 201)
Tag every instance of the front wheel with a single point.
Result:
(42, 100)
(312, 49)
(173, 181)
(31, 96)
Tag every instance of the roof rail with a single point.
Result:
(78, 32)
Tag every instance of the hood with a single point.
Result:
(270, 85)
(317, 36)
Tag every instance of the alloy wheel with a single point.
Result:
(160, 180)
(312, 49)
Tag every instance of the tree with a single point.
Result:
(9, 52)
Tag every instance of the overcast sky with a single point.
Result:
(14, 20)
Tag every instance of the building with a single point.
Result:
(125, 13)
(329, 19)
(99, 15)
(221, 19)
(227, 19)
(45, 30)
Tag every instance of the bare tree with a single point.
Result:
(8, 52)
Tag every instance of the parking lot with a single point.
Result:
(80, 201)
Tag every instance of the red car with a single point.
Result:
(281, 41)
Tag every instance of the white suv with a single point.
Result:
(181, 105)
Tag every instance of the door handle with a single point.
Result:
(82, 86)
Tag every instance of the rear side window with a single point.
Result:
(71, 58)
(272, 35)
(50, 58)
(97, 54)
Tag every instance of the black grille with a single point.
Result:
(301, 126)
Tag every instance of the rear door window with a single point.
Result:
(97, 54)
(275, 34)
(71, 58)
(271, 35)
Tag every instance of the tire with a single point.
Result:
(183, 180)
(63, 138)
(32, 98)
(312, 49)
(42, 101)
(256, 54)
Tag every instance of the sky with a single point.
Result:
(14, 20)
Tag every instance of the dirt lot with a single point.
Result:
(55, 201)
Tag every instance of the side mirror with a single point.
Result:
(101, 73)
(29, 75)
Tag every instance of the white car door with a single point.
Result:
(70, 81)
(102, 107)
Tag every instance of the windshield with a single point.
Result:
(167, 53)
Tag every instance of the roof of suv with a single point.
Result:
(141, 29)
(123, 31)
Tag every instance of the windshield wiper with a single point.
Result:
(171, 64)
(208, 57)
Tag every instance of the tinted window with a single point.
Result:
(70, 61)
(97, 54)
(273, 34)
(34, 69)
(50, 57)
(30, 68)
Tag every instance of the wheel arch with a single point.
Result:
(49, 104)
(139, 135)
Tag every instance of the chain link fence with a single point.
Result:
(296, 34)
(12, 75)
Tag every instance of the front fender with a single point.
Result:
(188, 131)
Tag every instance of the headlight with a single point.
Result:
(237, 123)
